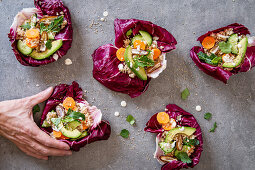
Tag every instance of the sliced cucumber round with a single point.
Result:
(23, 48)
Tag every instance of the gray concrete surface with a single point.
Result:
(232, 146)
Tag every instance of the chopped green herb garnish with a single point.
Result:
(183, 156)
(214, 127)
(225, 47)
(143, 61)
(75, 115)
(55, 25)
(193, 142)
(56, 121)
(124, 133)
(130, 119)
(185, 94)
(26, 26)
(212, 59)
(48, 44)
(208, 116)
(36, 109)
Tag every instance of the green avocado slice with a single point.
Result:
(42, 55)
(185, 130)
(139, 71)
(147, 37)
(239, 58)
(69, 133)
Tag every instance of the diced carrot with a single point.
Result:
(84, 126)
(120, 54)
(170, 125)
(139, 43)
(32, 43)
(208, 42)
(33, 33)
(57, 134)
(162, 117)
(69, 103)
(156, 53)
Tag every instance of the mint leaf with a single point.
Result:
(36, 109)
(212, 59)
(56, 121)
(143, 61)
(193, 142)
(26, 26)
(225, 47)
(183, 156)
(68, 119)
(208, 116)
(48, 44)
(76, 115)
(185, 94)
(213, 128)
(130, 119)
(124, 133)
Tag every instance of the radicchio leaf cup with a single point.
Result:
(105, 68)
(187, 120)
(43, 7)
(100, 130)
(217, 72)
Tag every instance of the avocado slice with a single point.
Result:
(233, 40)
(147, 37)
(137, 37)
(73, 125)
(23, 48)
(69, 133)
(42, 55)
(167, 147)
(171, 133)
(239, 58)
(139, 71)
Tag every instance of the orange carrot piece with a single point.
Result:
(139, 43)
(208, 42)
(33, 33)
(57, 134)
(170, 125)
(32, 43)
(120, 54)
(162, 117)
(156, 53)
(69, 103)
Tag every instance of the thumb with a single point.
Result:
(41, 97)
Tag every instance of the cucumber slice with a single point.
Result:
(233, 40)
(23, 48)
(147, 37)
(137, 37)
(73, 125)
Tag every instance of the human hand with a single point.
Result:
(17, 124)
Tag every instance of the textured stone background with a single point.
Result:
(232, 146)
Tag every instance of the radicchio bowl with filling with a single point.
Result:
(139, 54)
(43, 34)
(225, 51)
(70, 118)
(179, 142)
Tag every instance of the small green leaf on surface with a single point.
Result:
(36, 109)
(185, 94)
(213, 128)
(183, 156)
(124, 133)
(130, 119)
(208, 116)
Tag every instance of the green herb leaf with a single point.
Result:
(26, 26)
(208, 116)
(225, 47)
(36, 109)
(183, 156)
(75, 115)
(185, 94)
(56, 121)
(130, 119)
(55, 25)
(212, 59)
(129, 32)
(68, 119)
(48, 44)
(143, 61)
(42, 27)
(193, 142)
(213, 128)
(124, 133)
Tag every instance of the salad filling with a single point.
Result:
(140, 56)
(70, 120)
(36, 36)
(176, 142)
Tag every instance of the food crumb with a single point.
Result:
(68, 62)
(123, 103)
(55, 56)
(37, 85)
(102, 19)
(117, 114)
(198, 108)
